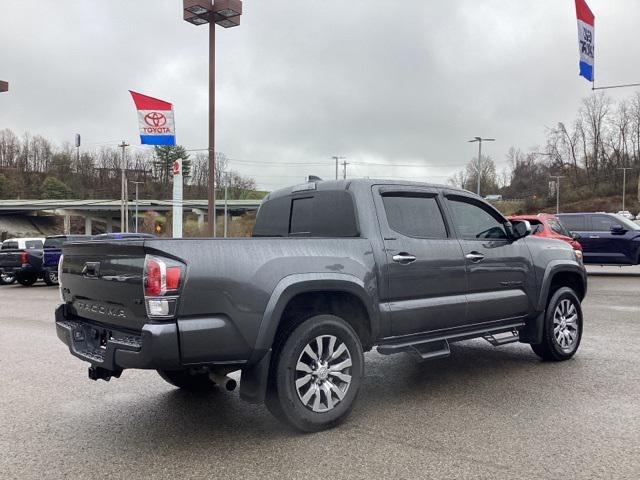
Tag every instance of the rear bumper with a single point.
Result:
(155, 347)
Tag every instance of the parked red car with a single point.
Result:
(550, 226)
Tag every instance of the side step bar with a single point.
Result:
(498, 339)
(432, 347)
(425, 351)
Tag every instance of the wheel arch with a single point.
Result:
(291, 292)
(327, 293)
(562, 274)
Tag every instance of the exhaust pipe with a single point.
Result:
(228, 383)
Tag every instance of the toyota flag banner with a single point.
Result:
(586, 31)
(155, 118)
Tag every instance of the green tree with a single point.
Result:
(6, 189)
(54, 188)
(164, 158)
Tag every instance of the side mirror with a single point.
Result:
(618, 230)
(520, 229)
(576, 236)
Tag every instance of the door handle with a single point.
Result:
(404, 258)
(594, 236)
(474, 257)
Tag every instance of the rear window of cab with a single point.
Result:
(328, 214)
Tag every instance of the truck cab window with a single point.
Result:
(474, 222)
(414, 215)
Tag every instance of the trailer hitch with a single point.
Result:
(99, 373)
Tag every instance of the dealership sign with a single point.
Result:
(155, 120)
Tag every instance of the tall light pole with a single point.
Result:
(624, 182)
(480, 140)
(225, 13)
(557, 180)
(136, 184)
(337, 159)
(124, 211)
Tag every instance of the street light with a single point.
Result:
(136, 184)
(624, 182)
(480, 140)
(225, 13)
(4, 86)
(557, 179)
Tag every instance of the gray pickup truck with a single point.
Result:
(333, 269)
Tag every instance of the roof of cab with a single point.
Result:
(324, 185)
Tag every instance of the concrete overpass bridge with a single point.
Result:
(108, 211)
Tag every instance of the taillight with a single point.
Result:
(24, 257)
(162, 281)
(155, 278)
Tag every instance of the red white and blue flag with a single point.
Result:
(586, 32)
(155, 119)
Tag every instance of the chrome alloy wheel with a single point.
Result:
(565, 325)
(323, 373)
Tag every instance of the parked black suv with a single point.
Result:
(606, 238)
(334, 269)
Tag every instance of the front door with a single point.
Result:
(501, 280)
(606, 246)
(425, 268)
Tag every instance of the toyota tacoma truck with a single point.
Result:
(334, 269)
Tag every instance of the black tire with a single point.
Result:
(284, 398)
(188, 380)
(551, 348)
(26, 280)
(7, 279)
(50, 278)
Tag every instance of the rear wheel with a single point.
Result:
(7, 278)
(51, 277)
(316, 374)
(562, 330)
(26, 280)
(188, 380)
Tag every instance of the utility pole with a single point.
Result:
(557, 180)
(344, 170)
(136, 184)
(77, 149)
(337, 159)
(624, 182)
(226, 209)
(124, 214)
(480, 140)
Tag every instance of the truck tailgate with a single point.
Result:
(103, 281)
(10, 259)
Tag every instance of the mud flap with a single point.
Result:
(253, 380)
(532, 331)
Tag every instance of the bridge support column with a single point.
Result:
(67, 224)
(109, 225)
(88, 226)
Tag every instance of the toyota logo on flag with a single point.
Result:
(155, 119)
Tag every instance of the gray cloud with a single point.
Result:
(378, 82)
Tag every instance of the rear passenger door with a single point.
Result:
(425, 268)
(501, 281)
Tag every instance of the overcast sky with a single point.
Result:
(380, 82)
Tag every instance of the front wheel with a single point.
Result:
(562, 330)
(51, 277)
(26, 280)
(7, 278)
(316, 374)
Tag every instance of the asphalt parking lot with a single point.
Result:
(484, 412)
